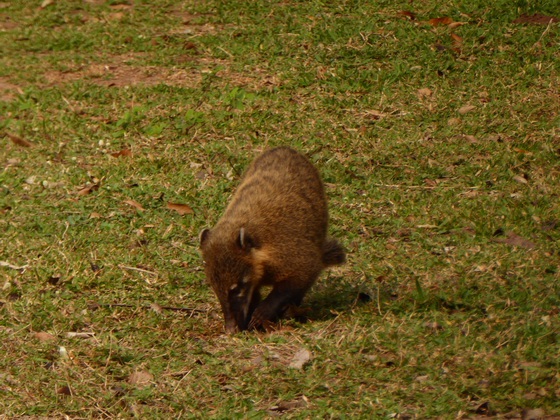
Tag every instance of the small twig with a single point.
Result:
(227, 52)
(184, 375)
(378, 302)
(233, 167)
(547, 29)
(13, 267)
(168, 308)
(141, 270)
(80, 334)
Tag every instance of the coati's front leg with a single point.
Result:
(282, 295)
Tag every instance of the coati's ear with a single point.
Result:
(245, 241)
(203, 236)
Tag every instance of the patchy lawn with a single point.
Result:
(125, 127)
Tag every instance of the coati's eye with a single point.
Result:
(240, 289)
(237, 290)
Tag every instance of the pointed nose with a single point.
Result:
(231, 325)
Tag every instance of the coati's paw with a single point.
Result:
(266, 326)
(261, 318)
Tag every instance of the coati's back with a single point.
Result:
(273, 232)
(280, 201)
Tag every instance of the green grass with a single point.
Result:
(432, 316)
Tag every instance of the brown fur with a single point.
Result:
(272, 233)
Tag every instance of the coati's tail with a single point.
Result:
(333, 254)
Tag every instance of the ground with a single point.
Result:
(125, 126)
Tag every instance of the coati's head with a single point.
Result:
(234, 268)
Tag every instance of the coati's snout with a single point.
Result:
(232, 275)
(242, 299)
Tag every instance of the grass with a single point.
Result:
(436, 142)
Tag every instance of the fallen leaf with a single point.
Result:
(536, 19)
(282, 406)
(123, 152)
(157, 308)
(18, 140)
(64, 390)
(406, 13)
(470, 139)
(44, 336)
(88, 189)
(95, 215)
(457, 40)
(182, 209)
(440, 21)
(515, 240)
(456, 24)
(520, 179)
(300, 359)
(453, 121)
(424, 92)
(466, 109)
(140, 378)
(532, 414)
(135, 204)
(46, 3)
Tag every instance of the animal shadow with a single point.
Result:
(326, 301)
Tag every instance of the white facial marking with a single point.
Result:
(248, 301)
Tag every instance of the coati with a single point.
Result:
(274, 232)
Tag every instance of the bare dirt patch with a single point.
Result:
(116, 71)
(8, 91)
(6, 24)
